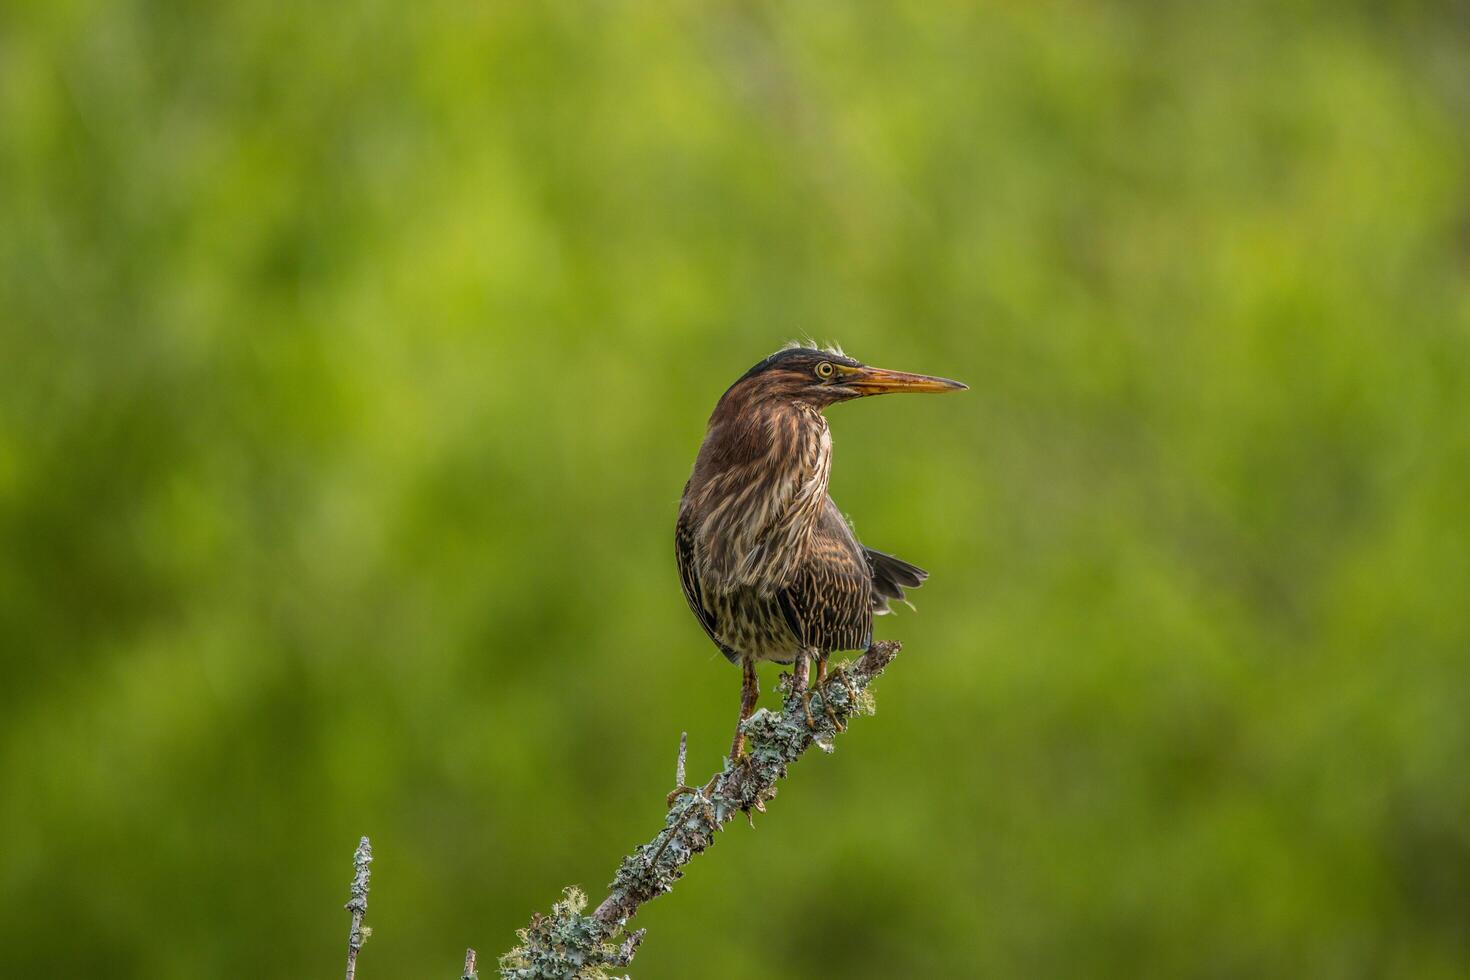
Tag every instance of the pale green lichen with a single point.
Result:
(567, 944)
(362, 873)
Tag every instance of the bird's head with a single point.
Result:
(824, 377)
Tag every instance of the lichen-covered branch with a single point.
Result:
(569, 944)
(357, 904)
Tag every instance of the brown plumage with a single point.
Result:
(769, 566)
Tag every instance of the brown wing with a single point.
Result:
(689, 578)
(829, 604)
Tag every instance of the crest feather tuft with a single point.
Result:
(830, 347)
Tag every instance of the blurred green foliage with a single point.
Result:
(353, 358)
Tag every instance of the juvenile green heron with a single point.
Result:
(768, 563)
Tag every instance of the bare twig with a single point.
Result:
(683, 752)
(357, 904)
(569, 945)
(469, 966)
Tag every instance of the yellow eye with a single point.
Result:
(825, 370)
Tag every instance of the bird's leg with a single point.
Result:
(800, 678)
(822, 689)
(749, 693)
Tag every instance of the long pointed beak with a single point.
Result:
(877, 381)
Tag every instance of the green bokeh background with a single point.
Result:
(353, 358)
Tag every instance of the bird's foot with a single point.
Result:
(837, 723)
(852, 695)
(703, 794)
(806, 705)
(681, 791)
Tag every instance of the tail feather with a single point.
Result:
(890, 577)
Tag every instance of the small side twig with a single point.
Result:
(679, 766)
(357, 904)
(469, 966)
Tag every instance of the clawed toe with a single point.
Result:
(678, 792)
(806, 706)
(832, 715)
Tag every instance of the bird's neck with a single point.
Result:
(758, 429)
(759, 486)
